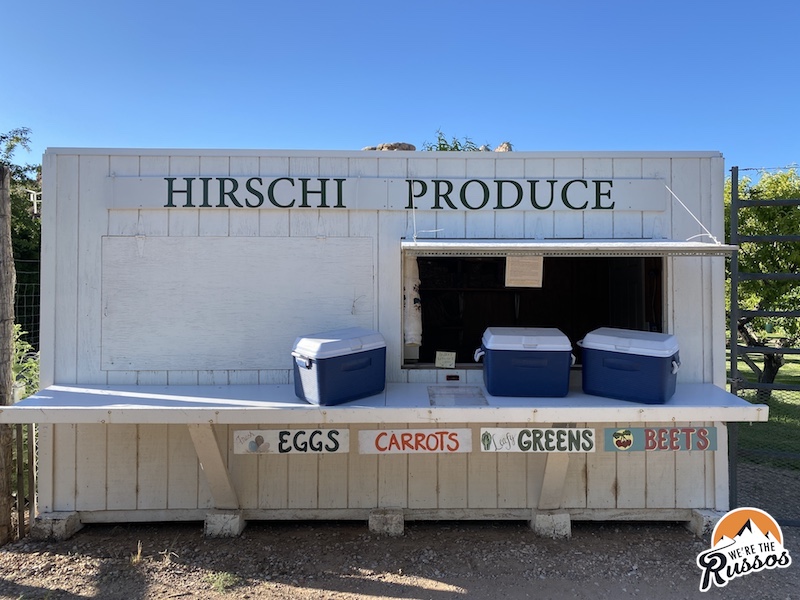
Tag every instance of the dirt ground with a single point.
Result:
(344, 561)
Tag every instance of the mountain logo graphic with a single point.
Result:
(746, 540)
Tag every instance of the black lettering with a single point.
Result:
(229, 194)
(257, 193)
(598, 194)
(534, 202)
(738, 568)
(171, 191)
(588, 440)
(536, 441)
(712, 563)
(339, 195)
(463, 194)
(312, 441)
(564, 198)
(411, 194)
(561, 440)
(283, 442)
(206, 203)
(437, 193)
(333, 434)
(517, 188)
(523, 440)
(300, 446)
(271, 192)
(305, 192)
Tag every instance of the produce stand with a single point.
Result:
(174, 283)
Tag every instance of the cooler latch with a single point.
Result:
(302, 360)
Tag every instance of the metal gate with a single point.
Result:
(764, 457)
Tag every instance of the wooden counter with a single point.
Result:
(399, 403)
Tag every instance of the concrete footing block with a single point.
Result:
(55, 526)
(224, 523)
(703, 521)
(556, 525)
(387, 521)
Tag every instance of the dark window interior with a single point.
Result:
(462, 296)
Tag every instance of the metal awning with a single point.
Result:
(563, 247)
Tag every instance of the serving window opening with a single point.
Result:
(460, 296)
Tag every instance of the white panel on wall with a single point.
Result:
(228, 303)
(64, 467)
(121, 462)
(92, 225)
(60, 274)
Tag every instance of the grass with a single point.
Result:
(137, 558)
(221, 581)
(782, 432)
(788, 373)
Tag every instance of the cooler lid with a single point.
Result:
(631, 341)
(338, 342)
(539, 339)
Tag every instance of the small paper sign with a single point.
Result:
(445, 360)
(524, 271)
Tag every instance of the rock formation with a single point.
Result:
(392, 146)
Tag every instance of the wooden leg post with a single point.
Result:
(547, 520)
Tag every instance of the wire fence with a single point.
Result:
(765, 463)
(27, 300)
(23, 478)
(23, 449)
(765, 457)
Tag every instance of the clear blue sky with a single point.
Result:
(559, 75)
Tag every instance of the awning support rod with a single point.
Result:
(708, 233)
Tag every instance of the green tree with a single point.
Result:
(25, 224)
(9, 142)
(768, 257)
(26, 232)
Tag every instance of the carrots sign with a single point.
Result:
(414, 441)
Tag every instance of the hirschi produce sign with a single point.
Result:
(371, 193)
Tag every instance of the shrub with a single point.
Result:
(26, 363)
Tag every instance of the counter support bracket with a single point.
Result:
(555, 474)
(210, 456)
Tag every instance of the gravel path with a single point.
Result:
(343, 561)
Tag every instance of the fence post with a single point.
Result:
(7, 285)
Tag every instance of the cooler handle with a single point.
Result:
(302, 360)
(572, 362)
(478, 354)
(675, 366)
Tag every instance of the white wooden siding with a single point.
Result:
(155, 467)
(227, 303)
(121, 468)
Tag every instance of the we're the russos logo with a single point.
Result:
(744, 541)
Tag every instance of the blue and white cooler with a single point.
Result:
(525, 361)
(626, 364)
(340, 365)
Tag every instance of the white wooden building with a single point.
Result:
(174, 283)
